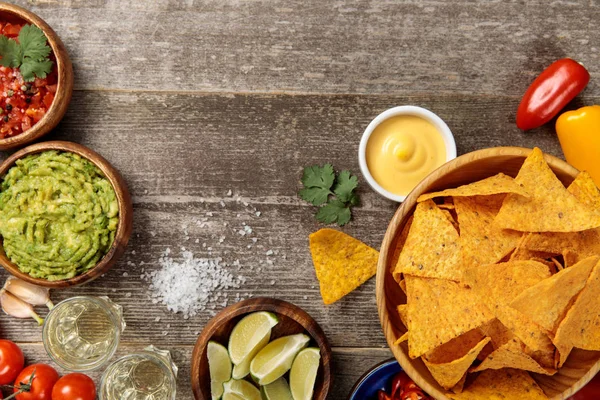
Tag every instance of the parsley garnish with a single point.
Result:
(321, 186)
(30, 54)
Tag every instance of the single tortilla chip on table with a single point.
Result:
(546, 302)
(512, 355)
(481, 242)
(493, 185)
(431, 248)
(581, 326)
(574, 246)
(498, 285)
(342, 263)
(440, 310)
(502, 384)
(551, 208)
(449, 371)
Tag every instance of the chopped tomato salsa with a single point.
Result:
(22, 104)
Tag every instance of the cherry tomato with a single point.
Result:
(550, 92)
(382, 395)
(38, 388)
(11, 362)
(413, 395)
(74, 387)
(398, 383)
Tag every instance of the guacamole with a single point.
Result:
(58, 215)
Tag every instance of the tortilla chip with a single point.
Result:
(458, 388)
(431, 248)
(493, 185)
(558, 265)
(341, 262)
(511, 355)
(455, 348)
(503, 384)
(450, 373)
(481, 242)
(403, 312)
(546, 302)
(578, 245)
(402, 285)
(581, 326)
(400, 241)
(499, 284)
(551, 208)
(450, 217)
(438, 311)
(496, 331)
(403, 338)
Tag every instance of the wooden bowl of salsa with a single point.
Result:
(32, 103)
(38, 196)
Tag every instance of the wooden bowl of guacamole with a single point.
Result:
(65, 214)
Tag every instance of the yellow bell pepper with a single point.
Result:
(579, 135)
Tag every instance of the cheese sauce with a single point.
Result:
(403, 150)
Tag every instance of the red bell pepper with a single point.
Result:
(550, 92)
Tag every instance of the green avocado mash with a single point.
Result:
(58, 215)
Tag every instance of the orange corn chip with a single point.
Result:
(448, 373)
(581, 326)
(438, 311)
(341, 262)
(493, 185)
(502, 384)
(431, 248)
(460, 385)
(496, 331)
(574, 245)
(403, 312)
(551, 208)
(455, 348)
(481, 242)
(499, 284)
(400, 241)
(546, 302)
(402, 338)
(511, 355)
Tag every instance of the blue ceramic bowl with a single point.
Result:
(377, 378)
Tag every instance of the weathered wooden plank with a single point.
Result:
(180, 160)
(355, 46)
(349, 365)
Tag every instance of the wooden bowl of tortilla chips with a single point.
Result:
(491, 287)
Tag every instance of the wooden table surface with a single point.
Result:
(190, 99)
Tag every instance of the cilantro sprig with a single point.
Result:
(29, 54)
(333, 194)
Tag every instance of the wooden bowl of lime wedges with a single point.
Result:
(262, 347)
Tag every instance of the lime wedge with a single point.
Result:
(243, 390)
(240, 371)
(219, 365)
(276, 358)
(250, 335)
(304, 372)
(278, 390)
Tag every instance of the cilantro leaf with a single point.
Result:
(321, 177)
(10, 52)
(344, 185)
(33, 43)
(31, 68)
(314, 195)
(334, 211)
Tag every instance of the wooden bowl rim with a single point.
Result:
(125, 213)
(397, 223)
(64, 90)
(253, 305)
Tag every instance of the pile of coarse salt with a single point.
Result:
(191, 284)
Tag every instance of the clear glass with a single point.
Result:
(147, 375)
(83, 333)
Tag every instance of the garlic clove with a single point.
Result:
(16, 307)
(29, 293)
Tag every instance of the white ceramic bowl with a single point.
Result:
(393, 112)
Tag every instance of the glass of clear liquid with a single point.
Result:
(83, 333)
(147, 375)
